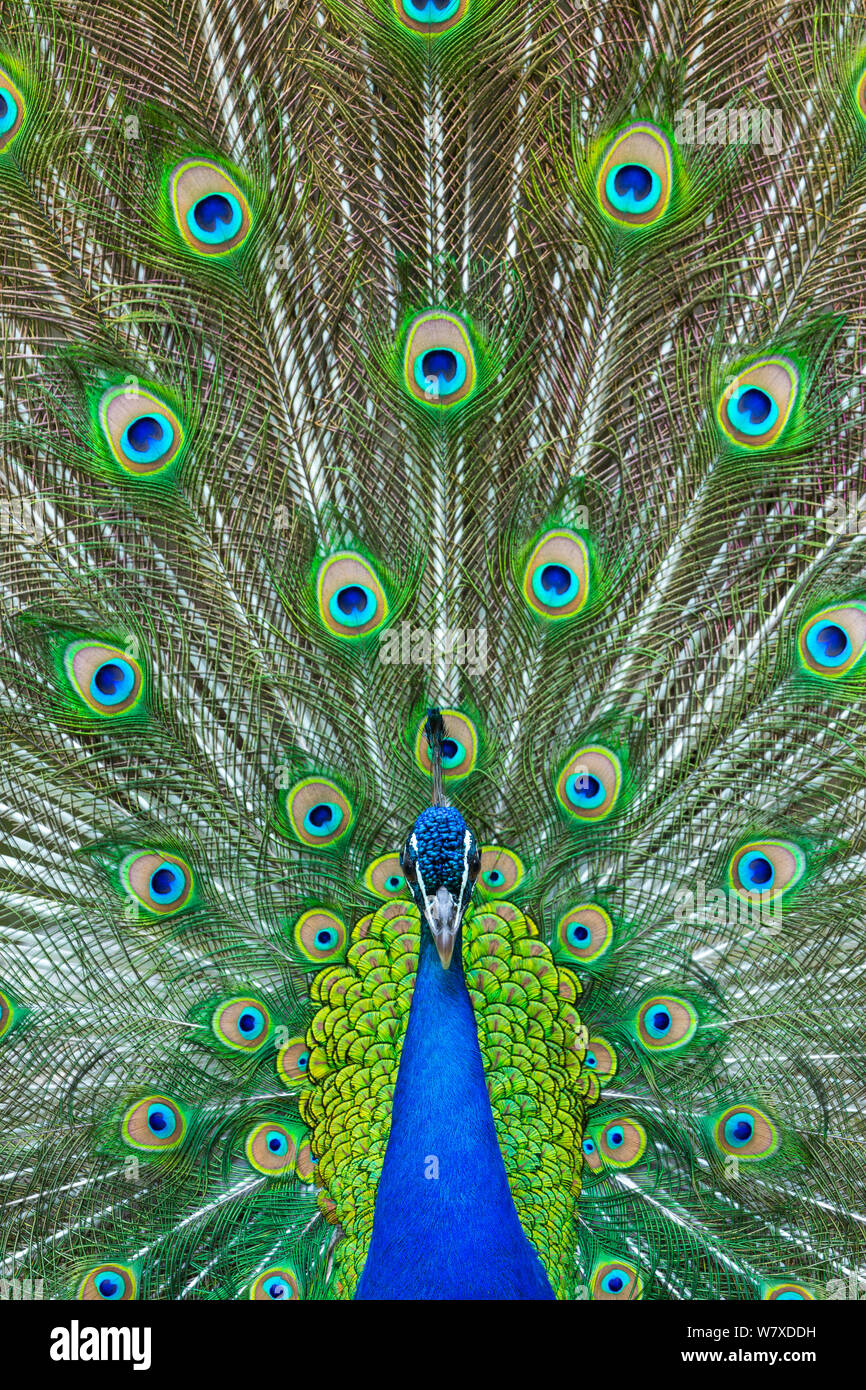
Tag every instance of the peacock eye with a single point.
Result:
(385, 876)
(584, 933)
(242, 1024)
(634, 182)
(430, 17)
(108, 680)
(272, 1148)
(833, 641)
(589, 784)
(439, 363)
(143, 434)
(556, 579)
(211, 212)
(320, 936)
(757, 404)
(666, 1023)
(351, 600)
(11, 110)
(746, 1131)
(293, 1063)
(765, 869)
(154, 1123)
(622, 1143)
(161, 883)
(318, 812)
(788, 1291)
(615, 1279)
(279, 1285)
(600, 1058)
(113, 1283)
(459, 747)
(500, 870)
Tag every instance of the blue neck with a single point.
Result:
(445, 1226)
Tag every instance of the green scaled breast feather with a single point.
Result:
(532, 1044)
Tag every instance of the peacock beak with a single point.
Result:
(442, 919)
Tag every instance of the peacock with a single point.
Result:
(432, 676)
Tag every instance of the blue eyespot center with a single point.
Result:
(8, 111)
(739, 1129)
(353, 605)
(326, 937)
(615, 1281)
(588, 1146)
(789, 1293)
(161, 1121)
(277, 1288)
(112, 682)
(167, 883)
(449, 748)
(323, 818)
(632, 188)
(494, 877)
(215, 218)
(590, 1060)
(756, 871)
(584, 790)
(251, 1023)
(277, 1143)
(578, 934)
(394, 883)
(303, 1061)
(828, 643)
(658, 1023)
(109, 1286)
(615, 1136)
(555, 585)
(146, 439)
(752, 410)
(439, 371)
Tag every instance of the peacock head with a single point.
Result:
(441, 862)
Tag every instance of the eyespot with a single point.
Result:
(154, 1123)
(622, 1143)
(600, 1058)
(242, 1023)
(746, 1131)
(271, 1148)
(111, 1283)
(833, 641)
(351, 600)
(501, 871)
(320, 936)
(591, 1155)
(163, 883)
(665, 1023)
(12, 110)
(439, 364)
(279, 1284)
(556, 580)
(584, 933)
(615, 1279)
(430, 17)
(385, 877)
(143, 434)
(7, 1013)
(634, 181)
(459, 748)
(106, 679)
(293, 1063)
(765, 869)
(757, 404)
(211, 212)
(589, 784)
(788, 1291)
(319, 813)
